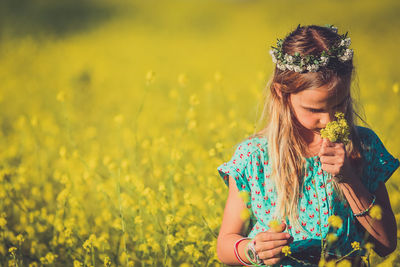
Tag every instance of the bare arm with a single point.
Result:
(383, 233)
(232, 228)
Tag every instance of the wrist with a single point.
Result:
(242, 250)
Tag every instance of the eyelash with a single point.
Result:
(317, 110)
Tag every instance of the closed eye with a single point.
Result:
(313, 110)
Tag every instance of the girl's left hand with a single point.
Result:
(334, 159)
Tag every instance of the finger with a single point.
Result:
(339, 145)
(327, 151)
(272, 244)
(333, 160)
(270, 236)
(332, 169)
(272, 253)
(329, 143)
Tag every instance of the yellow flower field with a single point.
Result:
(116, 114)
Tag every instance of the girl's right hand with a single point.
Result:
(269, 244)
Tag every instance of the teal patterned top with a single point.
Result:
(318, 200)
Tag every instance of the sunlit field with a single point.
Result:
(115, 117)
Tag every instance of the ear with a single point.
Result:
(277, 87)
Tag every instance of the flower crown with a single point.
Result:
(311, 63)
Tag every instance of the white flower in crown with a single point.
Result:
(299, 63)
(345, 42)
(324, 61)
(272, 53)
(288, 58)
(348, 54)
(298, 69)
(312, 68)
(289, 67)
(281, 66)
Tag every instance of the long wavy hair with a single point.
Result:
(287, 149)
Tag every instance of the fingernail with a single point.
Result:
(287, 235)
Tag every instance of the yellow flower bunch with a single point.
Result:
(337, 130)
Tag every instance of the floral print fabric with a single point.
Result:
(251, 170)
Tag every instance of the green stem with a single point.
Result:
(93, 261)
(346, 255)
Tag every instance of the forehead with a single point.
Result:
(320, 96)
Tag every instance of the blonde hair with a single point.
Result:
(286, 148)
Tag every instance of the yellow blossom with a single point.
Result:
(331, 237)
(138, 220)
(192, 124)
(211, 152)
(376, 212)
(20, 238)
(286, 250)
(190, 249)
(369, 246)
(245, 214)
(48, 259)
(182, 80)
(244, 195)
(61, 96)
(344, 263)
(217, 76)
(3, 222)
(194, 100)
(275, 225)
(335, 221)
(62, 151)
(150, 77)
(355, 245)
(396, 88)
(107, 261)
(169, 219)
(119, 118)
(219, 146)
(12, 250)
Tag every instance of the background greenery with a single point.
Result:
(116, 114)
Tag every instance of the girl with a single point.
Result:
(320, 190)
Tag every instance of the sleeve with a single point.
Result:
(236, 168)
(381, 163)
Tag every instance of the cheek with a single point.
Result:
(308, 120)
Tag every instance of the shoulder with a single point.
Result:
(248, 152)
(251, 145)
(252, 150)
(368, 138)
(365, 133)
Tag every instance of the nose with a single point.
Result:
(326, 118)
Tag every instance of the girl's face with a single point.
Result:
(315, 108)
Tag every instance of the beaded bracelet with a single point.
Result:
(254, 263)
(370, 206)
(236, 251)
